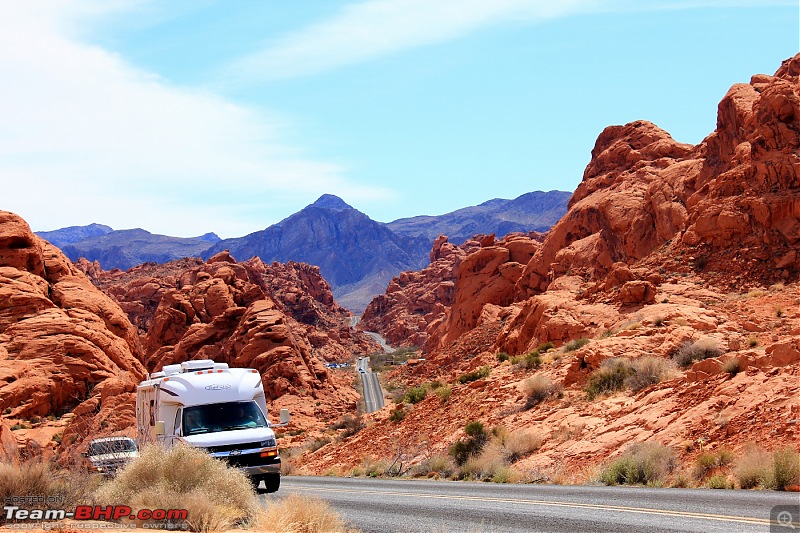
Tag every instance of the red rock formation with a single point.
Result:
(659, 249)
(64, 345)
(414, 300)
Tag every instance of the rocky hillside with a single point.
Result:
(65, 347)
(675, 267)
(72, 354)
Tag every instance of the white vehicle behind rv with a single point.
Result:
(216, 408)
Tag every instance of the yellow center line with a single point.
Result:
(638, 510)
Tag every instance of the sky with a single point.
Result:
(184, 117)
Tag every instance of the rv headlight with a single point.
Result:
(268, 443)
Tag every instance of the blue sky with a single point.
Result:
(184, 117)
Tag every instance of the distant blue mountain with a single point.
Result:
(357, 255)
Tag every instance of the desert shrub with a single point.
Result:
(644, 463)
(752, 468)
(538, 389)
(521, 443)
(472, 445)
(610, 377)
(576, 344)
(37, 478)
(785, 469)
(543, 347)
(318, 443)
(444, 393)
(502, 357)
(689, 352)
(648, 370)
(438, 465)
(350, 424)
(732, 366)
(718, 481)
(531, 360)
(481, 373)
(300, 514)
(398, 413)
(704, 464)
(752, 341)
(416, 394)
(489, 465)
(216, 496)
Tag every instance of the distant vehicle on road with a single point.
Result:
(106, 455)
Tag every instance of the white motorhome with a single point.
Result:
(211, 406)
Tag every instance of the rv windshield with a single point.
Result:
(227, 416)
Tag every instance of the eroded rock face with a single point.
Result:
(658, 253)
(415, 300)
(64, 345)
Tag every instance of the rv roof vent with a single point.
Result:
(156, 375)
(171, 369)
(220, 366)
(200, 364)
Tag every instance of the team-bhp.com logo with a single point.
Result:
(94, 512)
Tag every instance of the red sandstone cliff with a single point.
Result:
(64, 345)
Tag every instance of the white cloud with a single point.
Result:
(88, 138)
(374, 28)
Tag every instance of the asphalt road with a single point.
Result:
(384, 506)
(373, 395)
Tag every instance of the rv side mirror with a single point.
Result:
(284, 416)
(159, 427)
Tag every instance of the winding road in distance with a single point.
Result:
(391, 506)
(373, 394)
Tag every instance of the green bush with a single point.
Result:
(718, 481)
(543, 347)
(397, 414)
(610, 377)
(476, 439)
(785, 469)
(444, 393)
(576, 344)
(644, 463)
(502, 357)
(416, 394)
(481, 373)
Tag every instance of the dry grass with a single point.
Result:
(752, 467)
(39, 478)
(703, 348)
(216, 496)
(649, 370)
(490, 465)
(521, 443)
(300, 514)
(538, 389)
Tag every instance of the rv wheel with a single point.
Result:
(256, 481)
(272, 482)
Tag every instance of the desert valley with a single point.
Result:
(662, 308)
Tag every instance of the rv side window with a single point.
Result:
(177, 426)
